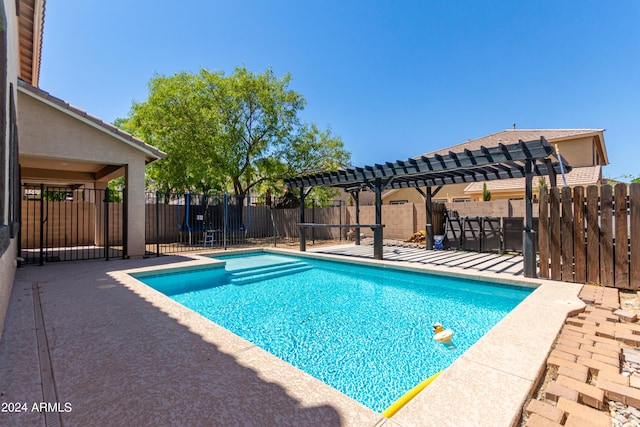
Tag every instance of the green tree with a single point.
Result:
(542, 183)
(486, 194)
(54, 195)
(116, 187)
(239, 132)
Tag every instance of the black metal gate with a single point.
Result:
(71, 223)
(191, 222)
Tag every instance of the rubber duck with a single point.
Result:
(441, 334)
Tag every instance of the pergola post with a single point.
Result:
(303, 237)
(429, 226)
(356, 197)
(377, 232)
(528, 247)
(428, 207)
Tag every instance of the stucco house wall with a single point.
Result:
(8, 245)
(581, 151)
(402, 195)
(49, 133)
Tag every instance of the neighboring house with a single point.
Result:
(583, 149)
(45, 140)
(366, 198)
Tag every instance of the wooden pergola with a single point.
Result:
(429, 174)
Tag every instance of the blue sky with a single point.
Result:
(394, 79)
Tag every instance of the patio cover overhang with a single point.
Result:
(523, 159)
(64, 146)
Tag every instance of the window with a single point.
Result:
(398, 202)
(461, 200)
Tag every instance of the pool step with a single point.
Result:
(247, 271)
(267, 272)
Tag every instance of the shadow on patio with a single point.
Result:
(470, 262)
(122, 355)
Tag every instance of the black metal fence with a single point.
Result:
(485, 233)
(70, 223)
(187, 222)
(512, 231)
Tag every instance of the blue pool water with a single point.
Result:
(365, 331)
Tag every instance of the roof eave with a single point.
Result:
(30, 34)
(151, 153)
(37, 40)
(603, 146)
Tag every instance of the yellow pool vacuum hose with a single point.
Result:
(398, 404)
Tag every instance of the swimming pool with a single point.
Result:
(365, 331)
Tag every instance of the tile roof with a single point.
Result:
(587, 175)
(152, 151)
(512, 136)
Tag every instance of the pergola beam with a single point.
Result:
(520, 160)
(483, 173)
(503, 161)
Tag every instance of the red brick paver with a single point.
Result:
(589, 395)
(580, 372)
(536, 420)
(582, 411)
(555, 391)
(584, 367)
(546, 410)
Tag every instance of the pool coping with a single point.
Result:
(487, 385)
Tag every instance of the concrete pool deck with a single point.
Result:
(117, 352)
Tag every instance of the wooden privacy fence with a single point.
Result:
(591, 237)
